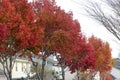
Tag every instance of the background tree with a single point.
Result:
(102, 55)
(106, 12)
(79, 58)
(82, 59)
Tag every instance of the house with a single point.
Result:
(22, 68)
(115, 72)
(69, 75)
(18, 70)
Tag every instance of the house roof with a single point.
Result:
(115, 73)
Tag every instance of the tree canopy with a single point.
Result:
(43, 27)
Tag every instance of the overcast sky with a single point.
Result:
(89, 26)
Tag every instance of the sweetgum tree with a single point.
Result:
(66, 49)
(22, 31)
(102, 55)
(82, 58)
(16, 32)
(60, 31)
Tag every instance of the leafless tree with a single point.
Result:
(106, 12)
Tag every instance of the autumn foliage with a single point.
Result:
(102, 54)
(42, 26)
(19, 20)
(58, 26)
(16, 31)
(83, 57)
(60, 30)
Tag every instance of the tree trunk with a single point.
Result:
(43, 67)
(78, 75)
(93, 75)
(7, 64)
(10, 68)
(35, 65)
(62, 62)
(101, 76)
(10, 76)
(36, 70)
(63, 73)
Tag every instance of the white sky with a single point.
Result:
(89, 26)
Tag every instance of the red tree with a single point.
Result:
(83, 56)
(47, 29)
(102, 55)
(59, 29)
(16, 31)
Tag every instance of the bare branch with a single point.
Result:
(109, 17)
